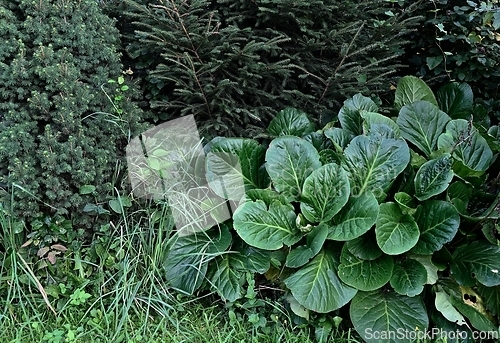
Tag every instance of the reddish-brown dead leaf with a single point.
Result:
(42, 251)
(59, 247)
(52, 257)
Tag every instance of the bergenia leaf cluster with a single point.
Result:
(390, 214)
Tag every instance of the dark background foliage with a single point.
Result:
(233, 64)
(458, 40)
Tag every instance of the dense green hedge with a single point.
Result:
(61, 125)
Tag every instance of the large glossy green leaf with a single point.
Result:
(396, 232)
(266, 227)
(378, 316)
(479, 261)
(466, 144)
(329, 156)
(459, 194)
(255, 260)
(438, 222)
(406, 202)
(266, 195)
(314, 242)
(380, 131)
(467, 173)
(491, 230)
(421, 123)
(324, 193)
(318, 140)
(290, 122)
(339, 137)
(409, 277)
(432, 270)
(228, 276)
(456, 99)
(433, 177)
(470, 304)
(411, 89)
(363, 247)
(460, 190)
(478, 320)
(365, 275)
(443, 305)
(493, 137)
(233, 166)
(350, 114)
(297, 308)
(356, 218)
(289, 161)
(371, 119)
(373, 164)
(316, 285)
(187, 261)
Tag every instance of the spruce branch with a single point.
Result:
(179, 19)
(346, 55)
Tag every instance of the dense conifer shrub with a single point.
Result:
(233, 64)
(60, 123)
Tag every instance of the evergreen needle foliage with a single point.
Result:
(233, 64)
(58, 129)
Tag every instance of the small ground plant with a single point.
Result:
(394, 216)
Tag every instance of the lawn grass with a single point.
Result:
(196, 324)
(129, 302)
